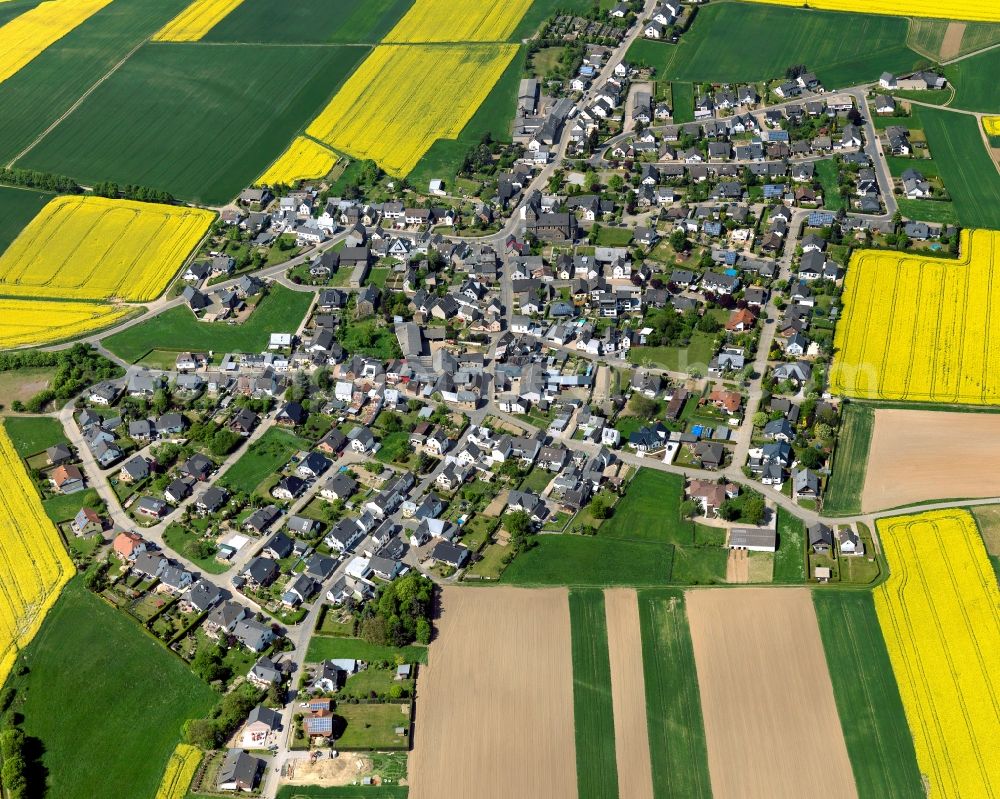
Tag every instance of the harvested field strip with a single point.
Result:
(593, 715)
(34, 566)
(25, 323)
(304, 159)
(974, 10)
(25, 36)
(760, 664)
(389, 110)
(196, 20)
(871, 712)
(179, 772)
(850, 460)
(92, 248)
(508, 652)
(469, 21)
(628, 692)
(940, 614)
(677, 747)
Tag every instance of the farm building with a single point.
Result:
(755, 539)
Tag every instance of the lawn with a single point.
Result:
(66, 69)
(677, 745)
(263, 458)
(177, 329)
(850, 460)
(17, 208)
(677, 359)
(613, 237)
(373, 726)
(682, 97)
(965, 166)
(204, 138)
(826, 171)
(63, 507)
(841, 48)
(975, 81)
(871, 712)
(650, 510)
(491, 564)
(789, 560)
(566, 559)
(106, 696)
(936, 211)
(32, 434)
(177, 537)
(310, 21)
(593, 714)
(536, 480)
(381, 681)
(331, 647)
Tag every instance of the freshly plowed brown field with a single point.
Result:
(916, 456)
(495, 707)
(771, 723)
(628, 693)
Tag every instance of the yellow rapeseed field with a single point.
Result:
(31, 323)
(28, 34)
(465, 21)
(304, 159)
(972, 10)
(403, 97)
(34, 566)
(940, 614)
(991, 125)
(92, 248)
(179, 772)
(196, 20)
(923, 329)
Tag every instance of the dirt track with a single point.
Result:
(495, 702)
(738, 566)
(770, 720)
(628, 693)
(922, 455)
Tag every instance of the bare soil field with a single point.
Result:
(23, 384)
(628, 693)
(771, 723)
(922, 455)
(329, 772)
(951, 45)
(495, 702)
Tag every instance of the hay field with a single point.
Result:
(34, 566)
(628, 693)
(92, 248)
(29, 323)
(196, 20)
(940, 614)
(304, 159)
(391, 108)
(771, 722)
(468, 21)
(972, 10)
(496, 698)
(916, 456)
(25, 36)
(922, 329)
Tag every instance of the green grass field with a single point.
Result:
(70, 66)
(17, 208)
(975, 81)
(966, 168)
(31, 434)
(789, 560)
(123, 689)
(841, 48)
(310, 21)
(673, 705)
(650, 510)
(263, 458)
(373, 726)
(677, 359)
(899, 164)
(850, 460)
(682, 97)
(826, 171)
(590, 560)
(593, 714)
(343, 792)
(936, 211)
(328, 647)
(871, 712)
(177, 329)
(205, 136)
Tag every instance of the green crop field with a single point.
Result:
(682, 97)
(850, 460)
(32, 434)
(325, 647)
(965, 166)
(789, 560)
(177, 329)
(975, 81)
(44, 89)
(590, 560)
(263, 458)
(841, 48)
(871, 712)
(650, 510)
(310, 21)
(17, 208)
(927, 35)
(593, 714)
(123, 689)
(200, 121)
(677, 745)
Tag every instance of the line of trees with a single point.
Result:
(34, 179)
(131, 191)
